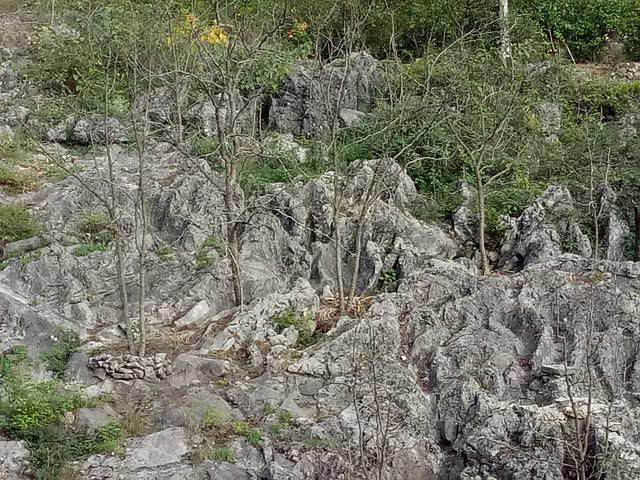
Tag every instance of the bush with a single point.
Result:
(94, 223)
(282, 168)
(253, 436)
(34, 411)
(17, 181)
(304, 323)
(57, 358)
(583, 25)
(16, 223)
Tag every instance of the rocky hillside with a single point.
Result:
(434, 371)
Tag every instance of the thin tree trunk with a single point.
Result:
(142, 253)
(481, 219)
(338, 239)
(356, 263)
(229, 152)
(120, 255)
(505, 40)
(636, 252)
(122, 287)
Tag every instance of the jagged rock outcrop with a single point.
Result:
(309, 96)
(489, 400)
(543, 231)
(471, 377)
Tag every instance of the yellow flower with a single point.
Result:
(216, 36)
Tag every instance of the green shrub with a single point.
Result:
(85, 249)
(16, 223)
(34, 411)
(208, 252)
(214, 419)
(94, 223)
(304, 323)
(253, 436)
(583, 25)
(57, 358)
(205, 147)
(16, 180)
(224, 454)
(256, 176)
(282, 423)
(165, 252)
(215, 243)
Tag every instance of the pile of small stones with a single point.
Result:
(131, 367)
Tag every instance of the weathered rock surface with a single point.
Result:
(156, 456)
(475, 377)
(300, 106)
(14, 460)
(543, 231)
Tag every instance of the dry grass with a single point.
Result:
(329, 312)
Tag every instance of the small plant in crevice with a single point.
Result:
(94, 223)
(207, 452)
(65, 343)
(85, 249)
(16, 223)
(253, 436)
(317, 443)
(282, 423)
(304, 323)
(96, 227)
(388, 277)
(165, 253)
(209, 252)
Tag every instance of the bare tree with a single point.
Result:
(230, 46)
(482, 130)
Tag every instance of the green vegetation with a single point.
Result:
(94, 223)
(16, 223)
(208, 252)
(165, 253)
(582, 26)
(443, 78)
(315, 443)
(304, 323)
(21, 168)
(34, 411)
(216, 454)
(218, 429)
(85, 249)
(282, 423)
(387, 277)
(57, 358)
(282, 168)
(253, 436)
(17, 181)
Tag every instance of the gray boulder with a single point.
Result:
(303, 103)
(543, 231)
(90, 420)
(14, 460)
(159, 456)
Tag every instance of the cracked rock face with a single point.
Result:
(14, 460)
(300, 105)
(445, 375)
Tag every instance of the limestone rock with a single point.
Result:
(14, 460)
